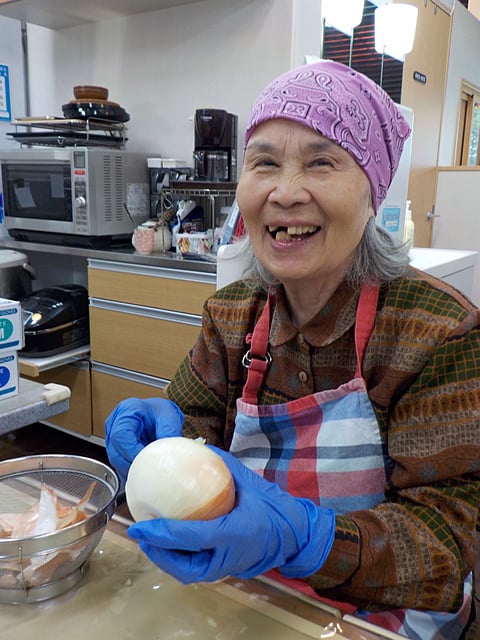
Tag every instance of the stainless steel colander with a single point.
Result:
(43, 566)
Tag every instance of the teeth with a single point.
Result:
(298, 231)
(294, 231)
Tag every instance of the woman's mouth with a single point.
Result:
(291, 234)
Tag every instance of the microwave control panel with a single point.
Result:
(80, 191)
(80, 202)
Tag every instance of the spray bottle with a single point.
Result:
(409, 228)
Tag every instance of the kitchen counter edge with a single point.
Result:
(116, 254)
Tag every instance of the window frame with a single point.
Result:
(469, 98)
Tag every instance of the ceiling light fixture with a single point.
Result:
(344, 16)
(395, 25)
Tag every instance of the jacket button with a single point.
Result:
(303, 377)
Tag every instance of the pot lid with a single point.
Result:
(12, 258)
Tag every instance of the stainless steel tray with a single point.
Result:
(67, 132)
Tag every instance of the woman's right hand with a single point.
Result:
(133, 424)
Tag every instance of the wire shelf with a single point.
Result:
(203, 189)
(65, 132)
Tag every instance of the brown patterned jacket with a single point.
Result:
(422, 369)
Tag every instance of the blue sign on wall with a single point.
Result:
(5, 112)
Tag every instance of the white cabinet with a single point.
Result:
(453, 266)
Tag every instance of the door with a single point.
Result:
(429, 57)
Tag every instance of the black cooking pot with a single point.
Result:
(16, 274)
(77, 109)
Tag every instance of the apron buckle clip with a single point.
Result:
(247, 359)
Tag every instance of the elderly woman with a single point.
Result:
(341, 386)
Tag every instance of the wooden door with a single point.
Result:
(429, 57)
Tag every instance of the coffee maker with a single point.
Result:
(215, 152)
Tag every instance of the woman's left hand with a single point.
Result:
(267, 528)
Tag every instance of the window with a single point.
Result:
(468, 149)
(360, 53)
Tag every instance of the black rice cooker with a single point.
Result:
(16, 274)
(55, 319)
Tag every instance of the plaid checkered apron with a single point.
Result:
(327, 447)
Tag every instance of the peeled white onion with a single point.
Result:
(179, 478)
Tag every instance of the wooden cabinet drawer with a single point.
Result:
(157, 288)
(150, 345)
(108, 390)
(76, 376)
(143, 322)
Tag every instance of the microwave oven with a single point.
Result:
(75, 196)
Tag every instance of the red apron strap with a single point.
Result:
(257, 357)
(365, 321)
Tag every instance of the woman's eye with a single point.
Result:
(321, 162)
(265, 162)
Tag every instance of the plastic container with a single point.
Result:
(409, 228)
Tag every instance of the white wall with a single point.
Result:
(458, 226)
(462, 65)
(456, 204)
(161, 66)
(11, 55)
(41, 71)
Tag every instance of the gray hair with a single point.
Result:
(379, 257)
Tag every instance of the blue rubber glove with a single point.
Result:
(133, 424)
(268, 528)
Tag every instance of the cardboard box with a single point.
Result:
(11, 325)
(8, 374)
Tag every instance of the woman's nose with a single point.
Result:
(289, 190)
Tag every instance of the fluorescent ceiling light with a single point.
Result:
(344, 16)
(395, 25)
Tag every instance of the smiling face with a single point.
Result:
(305, 203)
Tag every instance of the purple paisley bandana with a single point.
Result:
(344, 106)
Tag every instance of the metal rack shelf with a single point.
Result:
(68, 132)
(205, 189)
(212, 195)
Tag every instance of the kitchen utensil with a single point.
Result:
(143, 239)
(44, 566)
(90, 92)
(64, 132)
(55, 319)
(215, 151)
(68, 139)
(16, 274)
(108, 103)
(99, 110)
(152, 235)
(211, 165)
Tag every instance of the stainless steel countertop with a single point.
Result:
(123, 253)
(124, 595)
